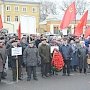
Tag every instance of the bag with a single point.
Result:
(88, 61)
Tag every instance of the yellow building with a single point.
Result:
(52, 24)
(11, 10)
(0, 7)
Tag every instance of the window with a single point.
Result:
(24, 9)
(16, 8)
(34, 9)
(8, 8)
(8, 18)
(16, 18)
(56, 31)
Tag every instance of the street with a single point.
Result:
(76, 81)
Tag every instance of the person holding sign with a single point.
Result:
(14, 57)
(31, 59)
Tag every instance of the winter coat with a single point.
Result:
(4, 54)
(31, 56)
(23, 45)
(83, 57)
(44, 52)
(66, 52)
(1, 62)
(20, 57)
(8, 45)
(75, 57)
(3, 57)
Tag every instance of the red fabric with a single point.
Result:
(57, 60)
(81, 24)
(87, 32)
(1, 24)
(70, 14)
(19, 31)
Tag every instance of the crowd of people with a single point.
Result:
(72, 55)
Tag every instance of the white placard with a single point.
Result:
(54, 47)
(64, 31)
(28, 24)
(16, 51)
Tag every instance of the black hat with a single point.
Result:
(13, 41)
(43, 39)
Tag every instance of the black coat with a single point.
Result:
(14, 58)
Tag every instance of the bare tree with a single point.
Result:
(47, 8)
(80, 5)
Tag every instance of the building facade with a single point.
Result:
(11, 10)
(52, 25)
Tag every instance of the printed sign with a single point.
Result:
(16, 51)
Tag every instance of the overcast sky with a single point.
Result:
(52, 0)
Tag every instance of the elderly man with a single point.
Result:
(3, 56)
(66, 51)
(44, 51)
(31, 59)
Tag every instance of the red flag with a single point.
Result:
(19, 31)
(87, 32)
(1, 24)
(70, 14)
(81, 24)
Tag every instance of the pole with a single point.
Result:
(17, 66)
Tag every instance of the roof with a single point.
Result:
(51, 17)
(23, 1)
(43, 22)
(59, 17)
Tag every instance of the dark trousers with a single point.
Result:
(45, 68)
(14, 73)
(66, 68)
(31, 69)
(0, 76)
(80, 70)
(73, 68)
(9, 62)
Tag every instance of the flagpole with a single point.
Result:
(75, 23)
